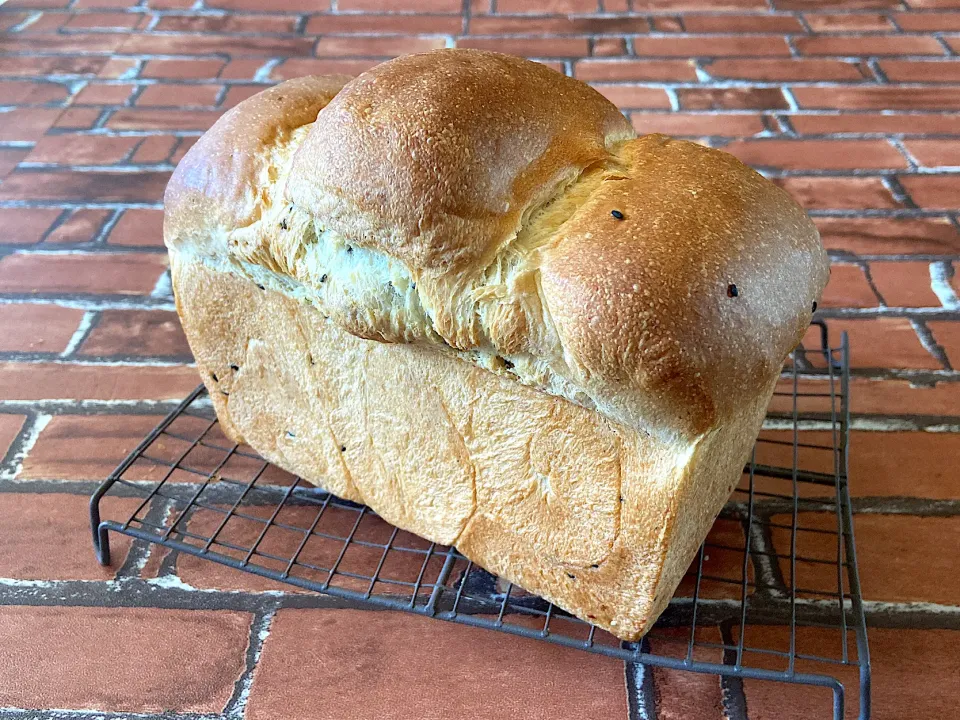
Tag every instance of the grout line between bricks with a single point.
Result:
(941, 273)
(24, 442)
(930, 343)
(87, 323)
(259, 631)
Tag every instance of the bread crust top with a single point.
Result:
(495, 209)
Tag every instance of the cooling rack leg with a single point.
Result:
(838, 702)
(101, 539)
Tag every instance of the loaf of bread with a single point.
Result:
(460, 290)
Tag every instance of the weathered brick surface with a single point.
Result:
(850, 106)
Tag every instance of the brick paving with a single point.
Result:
(850, 105)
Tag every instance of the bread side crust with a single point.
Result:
(525, 484)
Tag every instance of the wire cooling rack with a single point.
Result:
(773, 594)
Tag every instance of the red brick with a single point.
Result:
(697, 124)
(9, 429)
(423, 6)
(868, 45)
(99, 43)
(136, 332)
(99, 4)
(531, 47)
(888, 236)
(121, 274)
(935, 153)
(233, 45)
(53, 381)
(138, 227)
(241, 69)
(183, 69)
(932, 4)
(829, 22)
(954, 43)
(78, 447)
(259, 23)
(385, 24)
(85, 186)
(103, 94)
(82, 149)
(236, 94)
(877, 461)
(25, 226)
(37, 522)
(82, 226)
(904, 284)
(818, 154)
(666, 24)
(928, 22)
(103, 21)
(614, 70)
(639, 5)
(40, 65)
(116, 67)
(634, 96)
(878, 98)
(22, 92)
(947, 335)
(681, 695)
(933, 192)
(158, 660)
(885, 397)
(884, 343)
(921, 71)
(547, 6)
(78, 118)
(179, 95)
(836, 4)
(693, 46)
(838, 193)
(51, 4)
(731, 98)
(522, 673)
(46, 23)
(26, 124)
(607, 47)
(295, 67)
(742, 24)
(9, 20)
(893, 553)
(10, 158)
(162, 119)
(496, 25)
(783, 70)
(296, 6)
(376, 46)
(848, 288)
(36, 328)
(875, 123)
(154, 149)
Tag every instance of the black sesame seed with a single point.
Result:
(343, 448)
(621, 498)
(214, 376)
(224, 392)
(814, 306)
(323, 278)
(617, 214)
(732, 290)
(349, 248)
(413, 286)
(508, 364)
(283, 224)
(290, 434)
(594, 565)
(261, 286)
(234, 367)
(572, 577)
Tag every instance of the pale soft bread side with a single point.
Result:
(538, 358)
(527, 485)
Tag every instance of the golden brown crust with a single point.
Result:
(694, 296)
(433, 158)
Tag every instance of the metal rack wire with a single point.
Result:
(772, 595)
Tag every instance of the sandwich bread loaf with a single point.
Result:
(460, 290)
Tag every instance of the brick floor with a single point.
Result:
(850, 105)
